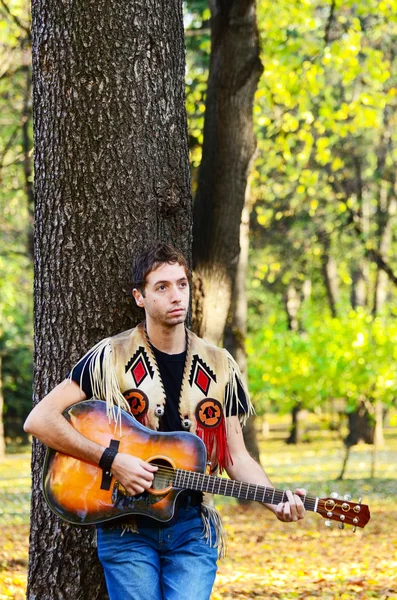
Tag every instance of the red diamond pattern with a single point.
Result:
(139, 372)
(202, 380)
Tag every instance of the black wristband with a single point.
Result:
(107, 458)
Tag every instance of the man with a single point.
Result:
(170, 380)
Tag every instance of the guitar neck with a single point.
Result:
(235, 489)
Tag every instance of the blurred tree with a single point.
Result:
(325, 179)
(15, 208)
(228, 149)
(223, 147)
(111, 174)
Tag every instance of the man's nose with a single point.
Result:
(176, 294)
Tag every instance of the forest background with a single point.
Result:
(320, 209)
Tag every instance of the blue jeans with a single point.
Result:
(170, 561)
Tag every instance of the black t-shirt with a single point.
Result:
(171, 367)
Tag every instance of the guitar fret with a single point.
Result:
(185, 479)
(177, 477)
(200, 481)
(256, 489)
(213, 485)
(195, 482)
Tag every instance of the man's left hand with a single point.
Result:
(293, 509)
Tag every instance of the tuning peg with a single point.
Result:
(347, 497)
(341, 525)
(334, 495)
(354, 528)
(328, 523)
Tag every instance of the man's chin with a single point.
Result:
(177, 319)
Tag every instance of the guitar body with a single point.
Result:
(72, 488)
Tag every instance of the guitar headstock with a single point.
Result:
(343, 511)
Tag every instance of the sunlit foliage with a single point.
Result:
(353, 357)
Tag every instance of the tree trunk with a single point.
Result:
(385, 233)
(330, 273)
(359, 289)
(292, 302)
(236, 328)
(27, 158)
(228, 149)
(361, 427)
(111, 175)
(2, 440)
(296, 431)
(292, 299)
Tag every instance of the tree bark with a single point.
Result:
(297, 425)
(330, 273)
(111, 175)
(359, 288)
(228, 149)
(27, 158)
(292, 299)
(236, 328)
(2, 440)
(361, 428)
(387, 210)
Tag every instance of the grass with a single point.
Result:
(266, 559)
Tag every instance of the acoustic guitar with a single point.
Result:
(82, 494)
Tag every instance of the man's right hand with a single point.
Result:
(134, 474)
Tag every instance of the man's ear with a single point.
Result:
(138, 297)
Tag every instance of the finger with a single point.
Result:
(280, 511)
(141, 484)
(291, 506)
(285, 511)
(148, 466)
(300, 495)
(136, 489)
(145, 476)
(299, 507)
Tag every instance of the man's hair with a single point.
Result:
(151, 258)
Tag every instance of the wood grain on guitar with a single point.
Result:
(72, 488)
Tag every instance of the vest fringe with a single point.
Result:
(103, 379)
(131, 527)
(231, 395)
(210, 516)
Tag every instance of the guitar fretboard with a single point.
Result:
(236, 489)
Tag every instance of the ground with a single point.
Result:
(266, 559)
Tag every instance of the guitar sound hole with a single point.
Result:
(164, 477)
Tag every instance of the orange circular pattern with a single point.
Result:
(138, 402)
(209, 413)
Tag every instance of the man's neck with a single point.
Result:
(171, 340)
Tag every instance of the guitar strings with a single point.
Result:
(167, 476)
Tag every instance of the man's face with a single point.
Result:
(166, 299)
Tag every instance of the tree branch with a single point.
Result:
(16, 20)
(329, 23)
(372, 253)
(8, 145)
